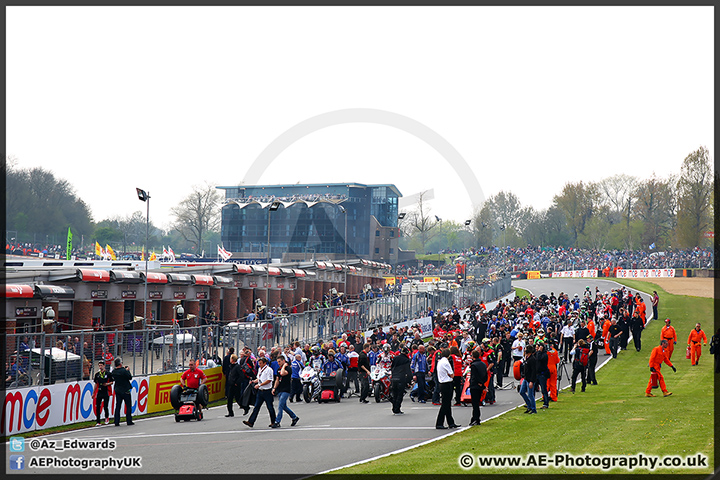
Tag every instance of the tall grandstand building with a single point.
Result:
(308, 221)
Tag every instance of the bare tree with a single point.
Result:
(198, 214)
(615, 192)
(420, 221)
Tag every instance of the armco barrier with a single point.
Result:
(41, 407)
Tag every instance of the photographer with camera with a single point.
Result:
(529, 373)
(581, 357)
(543, 371)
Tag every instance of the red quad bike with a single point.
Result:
(189, 402)
(331, 386)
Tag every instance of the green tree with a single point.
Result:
(38, 204)
(596, 233)
(482, 226)
(655, 205)
(578, 202)
(501, 220)
(695, 189)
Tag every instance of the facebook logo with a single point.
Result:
(17, 462)
(17, 444)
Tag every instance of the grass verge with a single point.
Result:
(612, 418)
(521, 292)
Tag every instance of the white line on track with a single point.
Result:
(250, 430)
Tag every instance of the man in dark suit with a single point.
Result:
(226, 368)
(478, 377)
(123, 387)
(400, 374)
(233, 389)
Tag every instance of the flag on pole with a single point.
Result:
(152, 257)
(110, 252)
(69, 245)
(172, 254)
(224, 254)
(165, 252)
(652, 245)
(142, 253)
(98, 250)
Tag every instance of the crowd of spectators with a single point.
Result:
(574, 329)
(562, 259)
(314, 197)
(30, 249)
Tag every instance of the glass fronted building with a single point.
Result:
(308, 221)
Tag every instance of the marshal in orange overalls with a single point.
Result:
(657, 358)
(641, 309)
(591, 327)
(606, 335)
(553, 360)
(694, 339)
(668, 333)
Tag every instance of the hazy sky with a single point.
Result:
(165, 98)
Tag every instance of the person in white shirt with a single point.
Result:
(445, 379)
(568, 338)
(263, 385)
(299, 351)
(465, 339)
(518, 347)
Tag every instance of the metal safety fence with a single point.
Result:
(45, 358)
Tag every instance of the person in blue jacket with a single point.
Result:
(332, 365)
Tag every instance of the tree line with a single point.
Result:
(40, 207)
(617, 212)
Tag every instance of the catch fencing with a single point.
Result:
(44, 358)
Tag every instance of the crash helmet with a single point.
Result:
(315, 350)
(386, 347)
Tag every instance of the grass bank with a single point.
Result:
(521, 292)
(612, 418)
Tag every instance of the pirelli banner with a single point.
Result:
(160, 386)
(645, 273)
